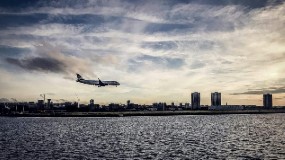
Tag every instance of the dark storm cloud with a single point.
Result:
(18, 13)
(6, 51)
(251, 4)
(20, 20)
(23, 37)
(38, 64)
(273, 90)
(88, 20)
(49, 58)
(15, 20)
(16, 5)
(93, 19)
(200, 22)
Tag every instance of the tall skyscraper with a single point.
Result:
(195, 100)
(216, 99)
(267, 101)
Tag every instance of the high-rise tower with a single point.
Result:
(267, 101)
(216, 99)
(195, 100)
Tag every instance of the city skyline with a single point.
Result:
(159, 51)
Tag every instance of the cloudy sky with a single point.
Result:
(160, 51)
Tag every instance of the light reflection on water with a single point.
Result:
(169, 137)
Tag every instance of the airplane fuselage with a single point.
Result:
(99, 83)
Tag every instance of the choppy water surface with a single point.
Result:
(170, 137)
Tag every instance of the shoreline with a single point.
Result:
(141, 113)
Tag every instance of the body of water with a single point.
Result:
(169, 137)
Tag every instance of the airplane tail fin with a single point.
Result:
(79, 77)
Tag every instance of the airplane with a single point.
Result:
(98, 83)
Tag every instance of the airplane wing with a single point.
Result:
(111, 83)
(102, 83)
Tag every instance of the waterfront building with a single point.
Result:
(91, 105)
(161, 106)
(49, 104)
(216, 99)
(40, 104)
(267, 101)
(187, 105)
(227, 107)
(195, 100)
(91, 101)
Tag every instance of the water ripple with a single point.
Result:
(170, 137)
